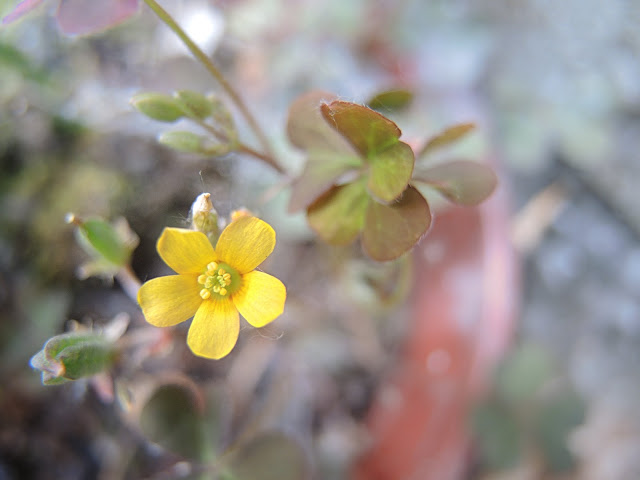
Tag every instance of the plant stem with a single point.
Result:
(129, 282)
(241, 147)
(265, 158)
(211, 68)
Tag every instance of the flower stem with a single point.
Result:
(129, 281)
(241, 147)
(213, 70)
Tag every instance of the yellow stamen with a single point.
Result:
(217, 280)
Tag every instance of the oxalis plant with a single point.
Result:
(360, 182)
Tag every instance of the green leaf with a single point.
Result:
(391, 100)
(192, 143)
(523, 374)
(194, 104)
(554, 423)
(173, 417)
(307, 129)
(104, 239)
(271, 456)
(463, 182)
(446, 137)
(368, 131)
(391, 230)
(320, 173)
(498, 439)
(12, 58)
(338, 215)
(390, 171)
(158, 106)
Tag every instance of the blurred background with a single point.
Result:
(554, 89)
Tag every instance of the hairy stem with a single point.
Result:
(212, 69)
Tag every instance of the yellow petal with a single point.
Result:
(260, 299)
(214, 330)
(185, 251)
(166, 301)
(246, 243)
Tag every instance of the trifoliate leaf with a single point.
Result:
(391, 230)
(338, 215)
(307, 129)
(172, 417)
(158, 106)
(368, 131)
(461, 181)
(320, 173)
(391, 100)
(446, 137)
(390, 171)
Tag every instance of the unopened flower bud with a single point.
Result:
(71, 356)
(241, 212)
(204, 217)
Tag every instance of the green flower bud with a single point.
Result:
(158, 106)
(193, 143)
(222, 118)
(194, 104)
(71, 356)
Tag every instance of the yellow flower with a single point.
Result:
(214, 284)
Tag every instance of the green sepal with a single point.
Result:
(190, 142)
(391, 230)
(461, 181)
(391, 100)
(158, 106)
(338, 215)
(194, 104)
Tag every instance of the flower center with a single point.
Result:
(219, 279)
